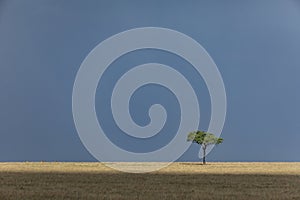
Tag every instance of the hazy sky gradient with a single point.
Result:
(255, 44)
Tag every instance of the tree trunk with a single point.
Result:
(204, 154)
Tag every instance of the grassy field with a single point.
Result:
(42, 180)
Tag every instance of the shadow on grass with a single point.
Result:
(115, 185)
(194, 163)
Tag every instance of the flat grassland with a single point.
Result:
(226, 180)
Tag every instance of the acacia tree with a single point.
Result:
(204, 139)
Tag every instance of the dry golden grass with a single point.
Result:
(42, 180)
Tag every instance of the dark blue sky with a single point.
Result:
(255, 44)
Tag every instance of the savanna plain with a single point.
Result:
(180, 180)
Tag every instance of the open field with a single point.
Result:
(42, 180)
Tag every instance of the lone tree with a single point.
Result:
(204, 139)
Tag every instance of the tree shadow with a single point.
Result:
(194, 163)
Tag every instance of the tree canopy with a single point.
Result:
(203, 138)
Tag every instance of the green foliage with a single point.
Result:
(203, 138)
